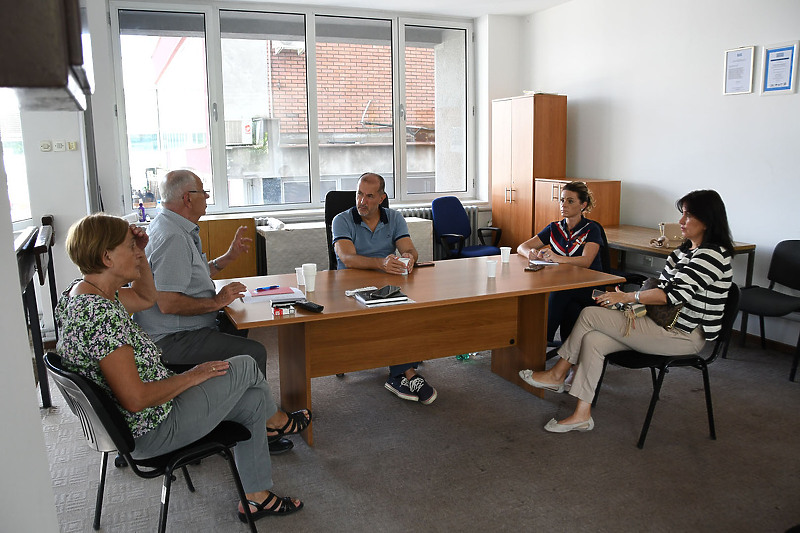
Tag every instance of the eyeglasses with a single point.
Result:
(207, 193)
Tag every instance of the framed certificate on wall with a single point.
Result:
(739, 70)
(780, 69)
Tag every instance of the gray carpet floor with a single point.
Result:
(478, 459)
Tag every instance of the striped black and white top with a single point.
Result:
(699, 279)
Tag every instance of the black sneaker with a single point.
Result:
(425, 392)
(399, 387)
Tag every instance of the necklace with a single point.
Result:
(104, 293)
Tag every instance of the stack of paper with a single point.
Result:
(278, 294)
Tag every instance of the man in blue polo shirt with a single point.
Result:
(366, 236)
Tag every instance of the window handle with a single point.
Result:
(214, 112)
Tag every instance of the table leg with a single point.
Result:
(295, 373)
(751, 260)
(529, 349)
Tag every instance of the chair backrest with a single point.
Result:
(728, 317)
(449, 216)
(103, 424)
(335, 203)
(605, 254)
(785, 264)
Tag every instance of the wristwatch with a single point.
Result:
(636, 297)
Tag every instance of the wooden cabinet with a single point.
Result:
(529, 140)
(216, 232)
(547, 207)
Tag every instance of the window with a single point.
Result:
(266, 108)
(163, 59)
(237, 96)
(14, 156)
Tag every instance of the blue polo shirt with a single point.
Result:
(379, 243)
(571, 243)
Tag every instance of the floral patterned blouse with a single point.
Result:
(91, 327)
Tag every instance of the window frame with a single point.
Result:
(213, 45)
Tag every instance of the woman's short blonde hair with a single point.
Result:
(90, 237)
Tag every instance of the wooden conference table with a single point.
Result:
(637, 239)
(456, 309)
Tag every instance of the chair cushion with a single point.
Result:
(634, 359)
(227, 433)
(479, 251)
(767, 302)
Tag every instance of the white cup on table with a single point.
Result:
(491, 268)
(299, 273)
(505, 253)
(310, 276)
(405, 261)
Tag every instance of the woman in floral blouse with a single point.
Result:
(164, 411)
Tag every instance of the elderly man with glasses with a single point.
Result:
(186, 322)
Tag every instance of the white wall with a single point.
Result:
(26, 492)
(645, 105)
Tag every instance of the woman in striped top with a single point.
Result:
(697, 274)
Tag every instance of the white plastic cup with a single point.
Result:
(310, 275)
(299, 273)
(491, 268)
(505, 253)
(405, 261)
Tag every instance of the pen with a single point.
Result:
(260, 289)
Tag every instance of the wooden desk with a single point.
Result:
(456, 309)
(637, 239)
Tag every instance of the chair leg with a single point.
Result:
(707, 386)
(651, 408)
(763, 339)
(162, 515)
(188, 479)
(743, 328)
(796, 359)
(239, 488)
(98, 506)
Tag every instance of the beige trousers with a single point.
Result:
(600, 331)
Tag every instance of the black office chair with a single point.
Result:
(605, 258)
(335, 203)
(451, 229)
(106, 430)
(663, 363)
(784, 268)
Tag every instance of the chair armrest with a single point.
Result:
(453, 243)
(490, 229)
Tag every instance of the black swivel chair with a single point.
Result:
(106, 430)
(605, 258)
(783, 270)
(335, 203)
(663, 364)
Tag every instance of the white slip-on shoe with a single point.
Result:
(554, 427)
(527, 377)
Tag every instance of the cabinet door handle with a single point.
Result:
(511, 195)
(505, 195)
(554, 193)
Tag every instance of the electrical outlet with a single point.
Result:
(72, 145)
(648, 261)
(45, 146)
(59, 146)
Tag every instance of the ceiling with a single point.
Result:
(451, 8)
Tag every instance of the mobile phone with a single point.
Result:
(386, 291)
(421, 264)
(597, 293)
(533, 268)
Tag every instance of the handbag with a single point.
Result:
(663, 315)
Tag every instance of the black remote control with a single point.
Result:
(310, 306)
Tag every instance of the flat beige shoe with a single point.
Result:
(527, 377)
(554, 427)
